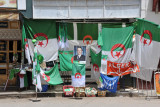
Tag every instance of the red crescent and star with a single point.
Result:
(118, 54)
(78, 75)
(145, 40)
(40, 43)
(87, 42)
(96, 67)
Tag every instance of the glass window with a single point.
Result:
(19, 46)
(11, 45)
(2, 71)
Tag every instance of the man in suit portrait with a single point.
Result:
(79, 56)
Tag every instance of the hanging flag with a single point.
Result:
(44, 31)
(109, 83)
(25, 45)
(144, 74)
(96, 64)
(78, 75)
(52, 76)
(119, 69)
(23, 80)
(85, 34)
(147, 41)
(66, 60)
(63, 37)
(116, 44)
(36, 80)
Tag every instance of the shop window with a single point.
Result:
(2, 71)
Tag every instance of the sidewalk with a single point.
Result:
(58, 92)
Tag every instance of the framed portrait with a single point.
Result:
(79, 53)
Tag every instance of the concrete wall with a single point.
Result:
(146, 8)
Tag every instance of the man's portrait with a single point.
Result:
(79, 53)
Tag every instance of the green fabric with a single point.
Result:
(54, 75)
(104, 57)
(65, 60)
(33, 27)
(146, 25)
(100, 40)
(78, 68)
(112, 36)
(63, 32)
(115, 25)
(23, 37)
(95, 58)
(84, 29)
(13, 72)
(25, 81)
(70, 31)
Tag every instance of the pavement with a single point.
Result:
(80, 102)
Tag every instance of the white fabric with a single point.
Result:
(50, 52)
(39, 85)
(78, 82)
(21, 82)
(144, 74)
(27, 53)
(146, 56)
(94, 74)
(123, 59)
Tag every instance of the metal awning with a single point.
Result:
(10, 34)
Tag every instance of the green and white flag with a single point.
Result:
(78, 75)
(66, 60)
(44, 31)
(116, 44)
(52, 76)
(25, 46)
(36, 78)
(23, 80)
(146, 47)
(85, 34)
(63, 36)
(95, 65)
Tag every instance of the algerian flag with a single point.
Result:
(78, 75)
(66, 60)
(85, 34)
(44, 31)
(25, 45)
(146, 47)
(63, 36)
(36, 78)
(96, 64)
(52, 76)
(23, 80)
(116, 44)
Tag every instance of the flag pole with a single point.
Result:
(36, 100)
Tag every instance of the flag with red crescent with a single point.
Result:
(44, 31)
(116, 45)
(78, 75)
(52, 76)
(145, 48)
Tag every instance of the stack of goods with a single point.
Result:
(90, 92)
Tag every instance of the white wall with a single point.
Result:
(147, 13)
(85, 9)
